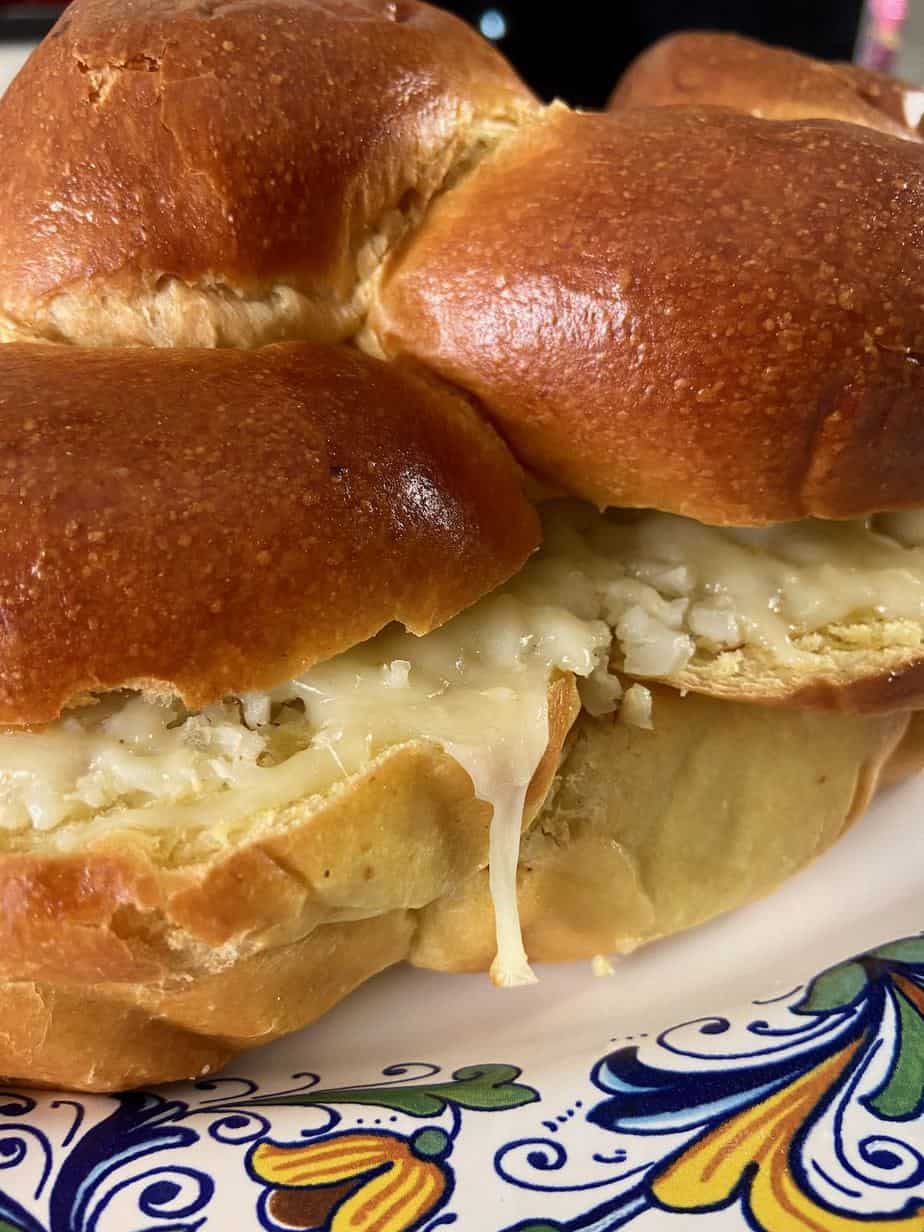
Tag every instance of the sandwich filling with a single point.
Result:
(648, 594)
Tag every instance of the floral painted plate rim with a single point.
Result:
(793, 1112)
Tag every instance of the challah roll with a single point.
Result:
(684, 309)
(651, 324)
(202, 520)
(179, 173)
(696, 67)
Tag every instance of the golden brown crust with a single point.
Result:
(650, 323)
(653, 832)
(686, 309)
(147, 1033)
(209, 522)
(695, 67)
(116, 971)
(263, 151)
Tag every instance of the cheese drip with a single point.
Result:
(505, 786)
(653, 588)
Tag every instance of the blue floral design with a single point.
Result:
(797, 1121)
(108, 1161)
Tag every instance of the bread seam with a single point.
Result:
(386, 237)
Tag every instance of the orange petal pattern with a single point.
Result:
(400, 1190)
(326, 1162)
(392, 1201)
(759, 1140)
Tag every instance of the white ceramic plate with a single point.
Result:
(717, 1076)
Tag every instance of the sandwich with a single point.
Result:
(439, 527)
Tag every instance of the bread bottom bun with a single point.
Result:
(648, 833)
(115, 972)
(908, 758)
(113, 1036)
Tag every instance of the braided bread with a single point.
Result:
(306, 306)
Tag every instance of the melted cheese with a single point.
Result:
(655, 588)
(504, 784)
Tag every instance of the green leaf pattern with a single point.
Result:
(903, 1094)
(478, 1088)
(834, 989)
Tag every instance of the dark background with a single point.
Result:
(28, 19)
(575, 50)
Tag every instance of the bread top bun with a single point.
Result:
(685, 309)
(199, 522)
(777, 84)
(186, 173)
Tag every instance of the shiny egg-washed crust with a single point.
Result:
(201, 172)
(695, 67)
(691, 309)
(189, 964)
(685, 309)
(116, 970)
(648, 833)
(208, 522)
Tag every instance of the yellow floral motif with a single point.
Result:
(758, 1140)
(395, 1188)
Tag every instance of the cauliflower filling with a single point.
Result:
(649, 591)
